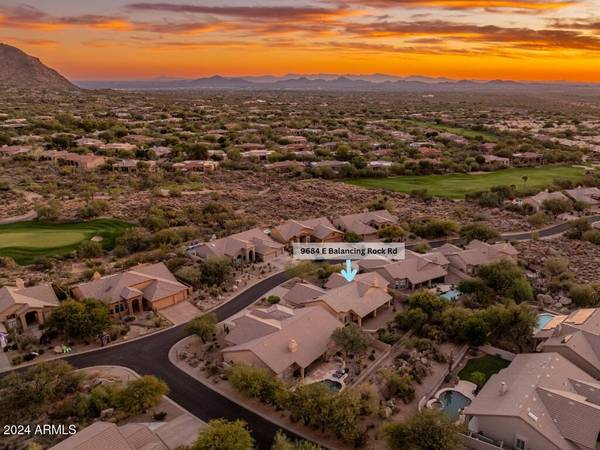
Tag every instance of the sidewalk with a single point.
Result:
(4, 362)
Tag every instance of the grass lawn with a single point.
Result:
(486, 136)
(25, 241)
(488, 365)
(456, 185)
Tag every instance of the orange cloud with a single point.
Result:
(538, 5)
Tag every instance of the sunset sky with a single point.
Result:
(477, 39)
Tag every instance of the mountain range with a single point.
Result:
(21, 70)
(24, 71)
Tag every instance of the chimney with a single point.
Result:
(375, 283)
(96, 276)
(293, 346)
(19, 283)
(503, 388)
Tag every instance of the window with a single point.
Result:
(520, 443)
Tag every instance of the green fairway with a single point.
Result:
(24, 241)
(457, 185)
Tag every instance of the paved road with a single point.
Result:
(149, 356)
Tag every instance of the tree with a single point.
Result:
(427, 301)
(584, 295)
(204, 326)
(428, 430)
(257, 383)
(507, 279)
(477, 231)
(90, 249)
(392, 233)
(577, 228)
(352, 237)
(479, 378)
(224, 435)
(351, 339)
(397, 385)
(557, 206)
(49, 212)
(141, 394)
(215, 270)
(30, 392)
(79, 319)
(282, 442)
(475, 331)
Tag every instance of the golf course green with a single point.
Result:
(25, 241)
(457, 185)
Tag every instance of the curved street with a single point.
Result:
(149, 355)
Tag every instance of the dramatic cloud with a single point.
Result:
(537, 5)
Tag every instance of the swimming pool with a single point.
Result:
(542, 320)
(334, 386)
(452, 403)
(451, 295)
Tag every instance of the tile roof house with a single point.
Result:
(312, 230)
(246, 247)
(590, 195)
(107, 435)
(575, 336)
(365, 224)
(150, 285)
(197, 166)
(85, 162)
(301, 293)
(464, 262)
(415, 271)
(537, 201)
(14, 150)
(22, 307)
(278, 338)
(540, 401)
(354, 301)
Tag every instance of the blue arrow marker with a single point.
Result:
(349, 273)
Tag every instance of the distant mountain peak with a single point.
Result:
(21, 70)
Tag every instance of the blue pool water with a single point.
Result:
(451, 295)
(542, 320)
(334, 386)
(452, 403)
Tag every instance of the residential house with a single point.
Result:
(590, 195)
(366, 224)
(301, 293)
(540, 401)
(415, 271)
(89, 142)
(496, 160)
(196, 166)
(464, 262)
(278, 339)
(161, 152)
(357, 300)
(14, 150)
(132, 165)
(247, 247)
(261, 155)
(537, 201)
(103, 435)
(575, 336)
(22, 307)
(313, 230)
(85, 162)
(146, 286)
(380, 164)
(527, 159)
(286, 165)
(336, 166)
